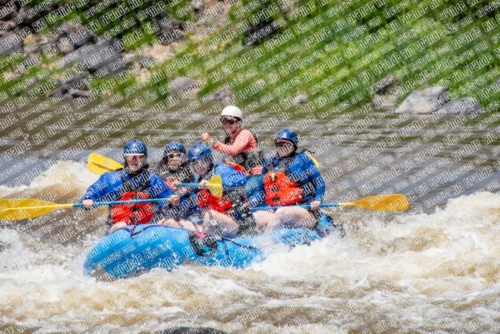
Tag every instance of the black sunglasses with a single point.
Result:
(281, 144)
(229, 121)
(177, 155)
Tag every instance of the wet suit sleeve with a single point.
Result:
(102, 189)
(259, 195)
(241, 142)
(315, 178)
(158, 189)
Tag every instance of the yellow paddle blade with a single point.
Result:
(24, 208)
(392, 202)
(214, 185)
(99, 164)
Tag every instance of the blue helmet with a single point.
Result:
(288, 135)
(135, 146)
(199, 151)
(174, 146)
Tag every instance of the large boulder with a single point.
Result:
(426, 101)
(74, 84)
(183, 85)
(387, 102)
(81, 93)
(463, 106)
(78, 35)
(98, 56)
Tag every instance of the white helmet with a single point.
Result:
(232, 111)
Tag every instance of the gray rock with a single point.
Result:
(463, 106)
(9, 45)
(300, 99)
(384, 101)
(183, 85)
(76, 82)
(97, 58)
(197, 5)
(32, 61)
(386, 85)
(89, 37)
(167, 24)
(171, 30)
(128, 57)
(224, 94)
(5, 26)
(56, 92)
(424, 102)
(78, 35)
(72, 85)
(81, 93)
(32, 82)
(147, 62)
(65, 47)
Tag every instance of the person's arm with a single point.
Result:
(259, 195)
(315, 179)
(240, 143)
(101, 188)
(158, 189)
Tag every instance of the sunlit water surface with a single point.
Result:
(433, 269)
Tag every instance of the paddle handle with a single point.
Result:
(191, 185)
(305, 206)
(135, 201)
(195, 185)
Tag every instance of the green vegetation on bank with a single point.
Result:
(271, 51)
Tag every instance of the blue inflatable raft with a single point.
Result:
(134, 249)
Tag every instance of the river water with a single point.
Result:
(432, 269)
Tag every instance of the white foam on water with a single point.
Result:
(62, 173)
(465, 231)
(414, 272)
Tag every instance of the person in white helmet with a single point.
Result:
(241, 146)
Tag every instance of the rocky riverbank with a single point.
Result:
(241, 52)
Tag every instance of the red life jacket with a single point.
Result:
(132, 214)
(207, 200)
(279, 189)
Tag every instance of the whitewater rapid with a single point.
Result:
(415, 273)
